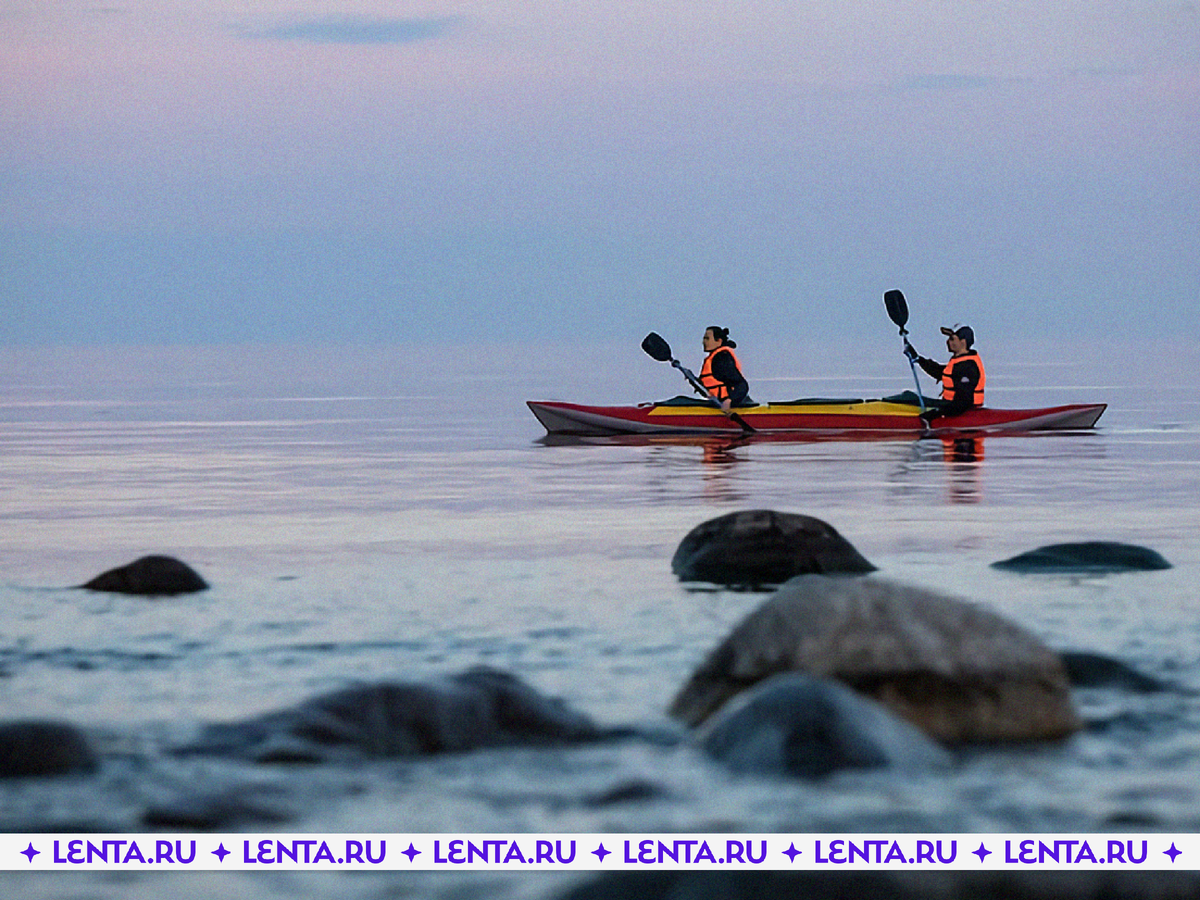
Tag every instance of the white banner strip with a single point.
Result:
(598, 852)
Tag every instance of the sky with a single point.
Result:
(362, 171)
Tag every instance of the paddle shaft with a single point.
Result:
(705, 392)
(912, 364)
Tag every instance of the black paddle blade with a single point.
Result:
(897, 308)
(656, 347)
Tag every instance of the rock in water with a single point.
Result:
(958, 672)
(794, 724)
(36, 748)
(479, 708)
(1086, 556)
(150, 576)
(763, 547)
(1093, 670)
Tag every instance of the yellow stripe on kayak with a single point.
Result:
(869, 408)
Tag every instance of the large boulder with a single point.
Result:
(960, 673)
(150, 576)
(794, 724)
(761, 547)
(482, 707)
(39, 748)
(1086, 557)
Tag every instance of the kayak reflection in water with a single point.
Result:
(964, 458)
(962, 449)
(721, 373)
(963, 378)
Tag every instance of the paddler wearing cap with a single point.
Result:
(963, 378)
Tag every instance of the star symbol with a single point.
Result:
(1173, 852)
(412, 852)
(600, 852)
(983, 852)
(30, 852)
(220, 853)
(791, 852)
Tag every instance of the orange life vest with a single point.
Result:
(715, 386)
(948, 376)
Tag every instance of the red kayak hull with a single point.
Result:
(807, 417)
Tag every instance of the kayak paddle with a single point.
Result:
(897, 310)
(657, 348)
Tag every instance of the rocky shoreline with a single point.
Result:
(839, 667)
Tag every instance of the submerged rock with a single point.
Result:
(479, 708)
(231, 810)
(960, 673)
(1086, 556)
(1091, 670)
(795, 724)
(762, 547)
(36, 748)
(150, 576)
(634, 791)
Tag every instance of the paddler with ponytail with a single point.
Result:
(721, 374)
(963, 378)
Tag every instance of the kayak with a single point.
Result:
(888, 416)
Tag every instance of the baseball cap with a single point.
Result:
(962, 331)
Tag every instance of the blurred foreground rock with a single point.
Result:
(1094, 670)
(150, 576)
(479, 708)
(762, 547)
(239, 808)
(957, 671)
(795, 724)
(36, 748)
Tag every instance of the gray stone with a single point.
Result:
(1092, 670)
(150, 576)
(233, 810)
(960, 673)
(479, 708)
(37, 748)
(794, 724)
(762, 547)
(634, 791)
(1086, 557)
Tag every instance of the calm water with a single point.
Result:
(387, 514)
